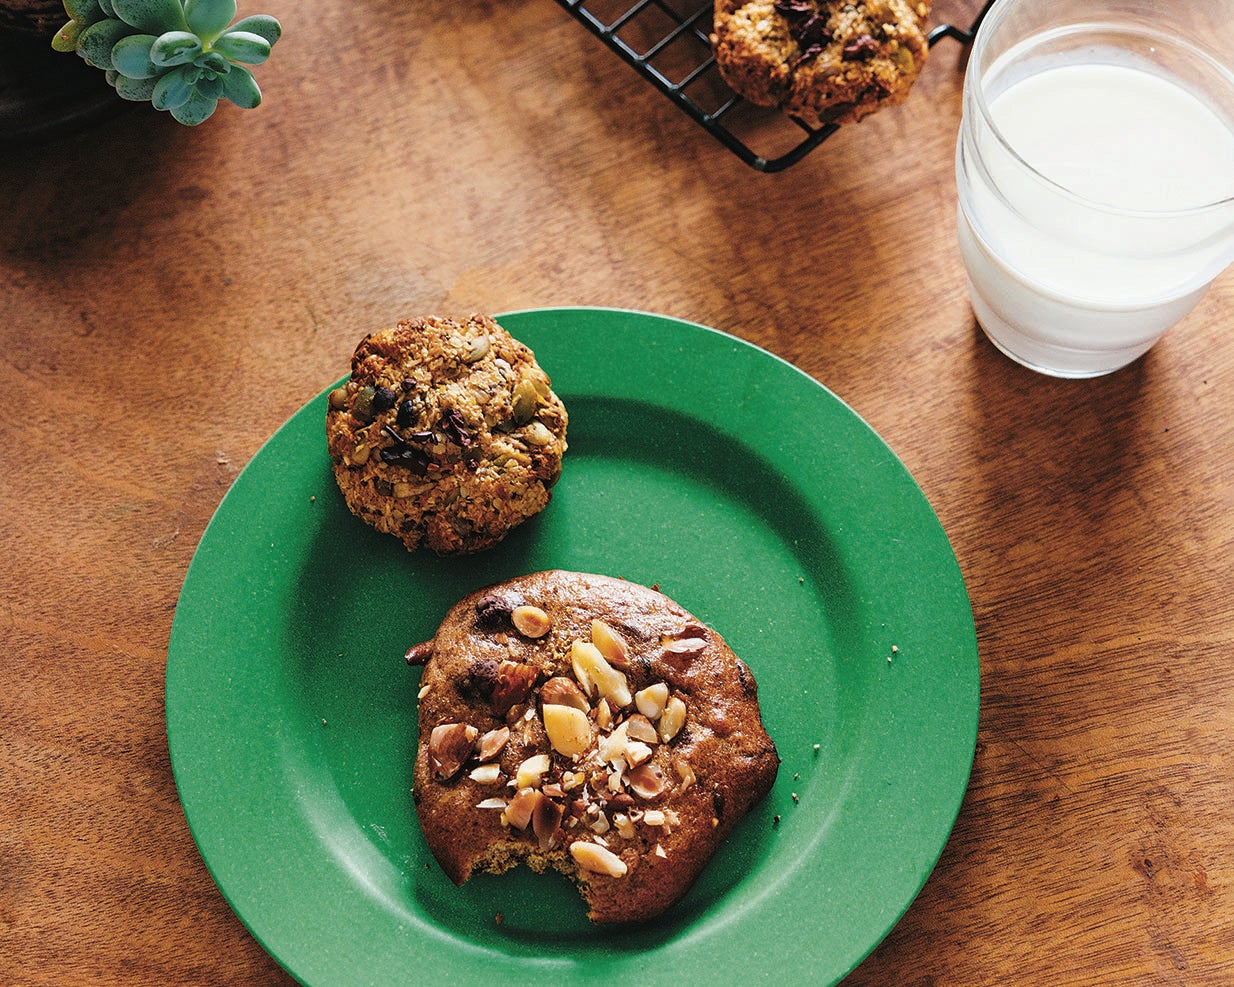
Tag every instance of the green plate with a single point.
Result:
(753, 497)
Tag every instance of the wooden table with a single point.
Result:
(168, 297)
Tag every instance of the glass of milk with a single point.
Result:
(1095, 167)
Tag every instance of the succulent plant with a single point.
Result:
(181, 55)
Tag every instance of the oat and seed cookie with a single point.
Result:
(590, 725)
(448, 433)
(818, 60)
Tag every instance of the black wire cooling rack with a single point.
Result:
(668, 43)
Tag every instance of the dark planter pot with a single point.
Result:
(44, 93)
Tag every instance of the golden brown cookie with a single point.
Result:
(447, 433)
(587, 724)
(818, 60)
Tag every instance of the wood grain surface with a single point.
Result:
(168, 297)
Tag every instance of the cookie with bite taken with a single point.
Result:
(591, 725)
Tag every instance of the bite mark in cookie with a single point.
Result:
(605, 733)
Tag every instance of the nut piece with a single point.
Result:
(485, 774)
(610, 644)
(596, 859)
(639, 727)
(568, 729)
(493, 742)
(687, 646)
(650, 701)
(514, 682)
(477, 349)
(672, 719)
(646, 781)
(560, 691)
(595, 674)
(546, 822)
(530, 621)
(637, 753)
(532, 770)
(604, 714)
(518, 813)
(684, 772)
(449, 747)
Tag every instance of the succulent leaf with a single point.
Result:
(209, 18)
(241, 88)
(241, 46)
(87, 11)
(136, 90)
(131, 57)
(210, 86)
(262, 25)
(175, 48)
(181, 55)
(151, 16)
(196, 110)
(97, 41)
(66, 38)
(213, 61)
(174, 88)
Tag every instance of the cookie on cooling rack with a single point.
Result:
(590, 725)
(447, 433)
(820, 61)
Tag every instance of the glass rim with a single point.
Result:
(974, 95)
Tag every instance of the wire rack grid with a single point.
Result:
(668, 43)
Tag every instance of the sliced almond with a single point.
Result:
(650, 701)
(600, 825)
(568, 729)
(654, 817)
(486, 774)
(597, 860)
(612, 748)
(610, 644)
(491, 803)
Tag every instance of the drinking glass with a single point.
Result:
(1095, 170)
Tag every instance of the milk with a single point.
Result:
(1078, 262)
